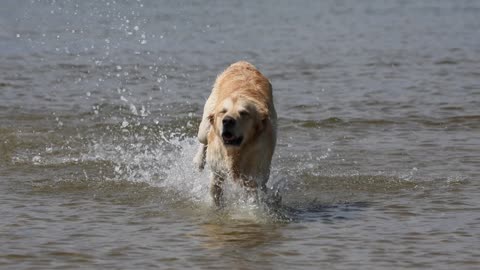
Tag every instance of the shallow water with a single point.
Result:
(376, 163)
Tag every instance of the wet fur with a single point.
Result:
(241, 87)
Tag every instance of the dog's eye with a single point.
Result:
(223, 111)
(244, 113)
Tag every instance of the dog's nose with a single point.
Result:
(228, 121)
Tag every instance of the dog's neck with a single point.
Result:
(236, 161)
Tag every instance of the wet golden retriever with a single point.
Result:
(238, 130)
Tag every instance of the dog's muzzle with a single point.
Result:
(228, 135)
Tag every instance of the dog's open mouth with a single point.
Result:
(230, 139)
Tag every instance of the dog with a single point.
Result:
(238, 130)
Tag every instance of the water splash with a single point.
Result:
(167, 164)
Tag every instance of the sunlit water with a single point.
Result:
(376, 163)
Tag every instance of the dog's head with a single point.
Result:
(238, 120)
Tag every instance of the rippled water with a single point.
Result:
(377, 161)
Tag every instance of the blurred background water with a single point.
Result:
(379, 134)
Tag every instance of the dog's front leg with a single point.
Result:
(216, 190)
(250, 186)
(199, 159)
(202, 135)
(205, 125)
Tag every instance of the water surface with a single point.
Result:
(376, 163)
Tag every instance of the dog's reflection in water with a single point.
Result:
(241, 235)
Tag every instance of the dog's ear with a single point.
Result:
(210, 118)
(263, 114)
(262, 126)
(263, 118)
